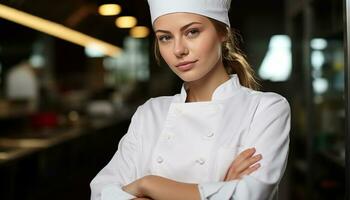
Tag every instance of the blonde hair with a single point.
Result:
(233, 58)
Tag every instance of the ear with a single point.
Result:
(223, 38)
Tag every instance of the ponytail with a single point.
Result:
(233, 58)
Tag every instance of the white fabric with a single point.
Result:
(215, 9)
(196, 142)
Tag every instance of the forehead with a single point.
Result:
(177, 20)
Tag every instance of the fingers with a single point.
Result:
(245, 172)
(250, 170)
(248, 162)
(244, 164)
(245, 155)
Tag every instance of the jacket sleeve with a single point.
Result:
(121, 170)
(269, 134)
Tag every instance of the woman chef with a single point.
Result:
(219, 138)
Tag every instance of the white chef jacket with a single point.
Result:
(196, 142)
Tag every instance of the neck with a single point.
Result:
(203, 89)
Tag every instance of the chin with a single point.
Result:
(189, 76)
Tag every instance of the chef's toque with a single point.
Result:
(215, 9)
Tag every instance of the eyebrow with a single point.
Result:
(181, 29)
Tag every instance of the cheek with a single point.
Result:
(166, 54)
(210, 50)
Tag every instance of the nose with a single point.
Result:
(180, 48)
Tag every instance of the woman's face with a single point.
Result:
(189, 44)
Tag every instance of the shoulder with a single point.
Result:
(157, 102)
(267, 100)
(154, 105)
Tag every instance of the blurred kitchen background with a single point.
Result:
(72, 73)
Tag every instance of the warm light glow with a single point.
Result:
(139, 32)
(126, 22)
(109, 9)
(56, 30)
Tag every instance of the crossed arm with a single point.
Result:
(156, 187)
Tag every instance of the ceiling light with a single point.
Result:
(139, 32)
(56, 30)
(109, 9)
(126, 22)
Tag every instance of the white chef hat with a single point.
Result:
(215, 9)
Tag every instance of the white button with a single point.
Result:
(159, 159)
(201, 161)
(168, 136)
(208, 136)
(211, 134)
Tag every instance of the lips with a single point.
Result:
(187, 65)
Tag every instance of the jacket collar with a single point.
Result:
(223, 91)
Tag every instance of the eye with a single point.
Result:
(164, 38)
(193, 32)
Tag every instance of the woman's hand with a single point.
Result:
(244, 164)
(135, 188)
